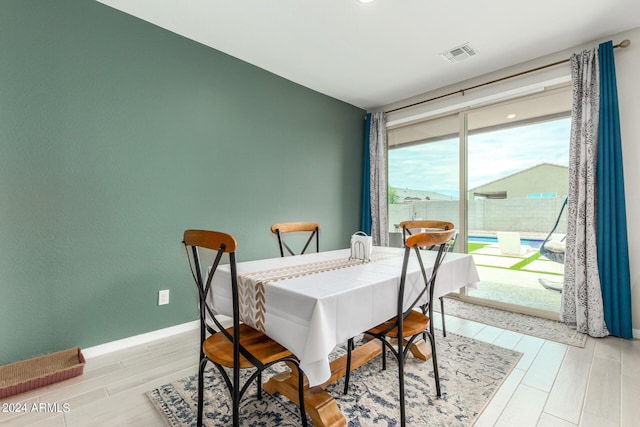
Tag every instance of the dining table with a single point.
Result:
(311, 303)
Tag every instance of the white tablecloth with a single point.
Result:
(313, 312)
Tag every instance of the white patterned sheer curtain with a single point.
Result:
(581, 296)
(378, 179)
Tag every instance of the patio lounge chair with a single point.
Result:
(509, 242)
(554, 251)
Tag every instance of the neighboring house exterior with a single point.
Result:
(541, 181)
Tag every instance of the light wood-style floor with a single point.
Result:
(553, 385)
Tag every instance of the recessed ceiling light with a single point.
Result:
(511, 116)
(365, 1)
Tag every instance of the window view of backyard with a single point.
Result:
(516, 186)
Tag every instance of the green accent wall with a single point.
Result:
(115, 137)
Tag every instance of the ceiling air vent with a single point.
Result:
(459, 53)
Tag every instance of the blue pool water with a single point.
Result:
(534, 243)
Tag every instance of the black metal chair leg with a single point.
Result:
(259, 384)
(303, 412)
(201, 391)
(434, 357)
(348, 373)
(444, 329)
(431, 330)
(384, 355)
(235, 396)
(401, 381)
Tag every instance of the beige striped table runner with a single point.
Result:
(251, 286)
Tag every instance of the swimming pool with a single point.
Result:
(534, 243)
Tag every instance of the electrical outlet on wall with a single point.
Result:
(163, 297)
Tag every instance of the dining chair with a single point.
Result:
(237, 347)
(409, 323)
(408, 227)
(280, 229)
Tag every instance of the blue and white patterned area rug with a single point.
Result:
(471, 372)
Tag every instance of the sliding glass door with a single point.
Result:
(424, 173)
(518, 179)
(514, 181)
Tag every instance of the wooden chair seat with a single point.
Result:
(413, 324)
(220, 350)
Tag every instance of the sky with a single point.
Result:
(492, 155)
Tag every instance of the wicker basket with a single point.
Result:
(40, 371)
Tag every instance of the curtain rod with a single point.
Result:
(622, 44)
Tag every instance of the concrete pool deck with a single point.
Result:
(502, 280)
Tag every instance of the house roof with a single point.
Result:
(518, 173)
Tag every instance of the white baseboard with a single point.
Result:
(112, 346)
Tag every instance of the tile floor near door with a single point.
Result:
(553, 384)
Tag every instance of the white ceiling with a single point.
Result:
(371, 55)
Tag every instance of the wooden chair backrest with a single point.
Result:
(439, 239)
(426, 224)
(210, 240)
(430, 238)
(423, 224)
(289, 227)
(219, 243)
